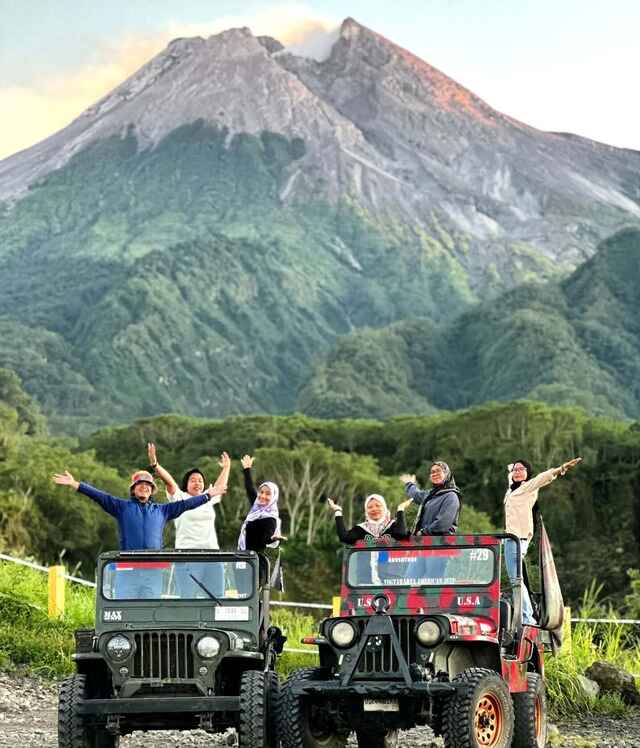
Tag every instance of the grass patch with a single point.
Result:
(610, 642)
(294, 626)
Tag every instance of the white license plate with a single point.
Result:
(381, 705)
(232, 613)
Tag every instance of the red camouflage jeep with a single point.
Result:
(425, 637)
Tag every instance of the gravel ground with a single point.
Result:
(28, 713)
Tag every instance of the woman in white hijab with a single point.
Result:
(262, 526)
(377, 523)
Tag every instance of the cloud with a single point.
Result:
(49, 104)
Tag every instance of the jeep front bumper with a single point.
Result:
(160, 705)
(334, 689)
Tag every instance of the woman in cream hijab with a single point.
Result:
(377, 522)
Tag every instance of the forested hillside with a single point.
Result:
(592, 515)
(571, 342)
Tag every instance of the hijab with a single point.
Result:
(262, 511)
(448, 484)
(376, 527)
(512, 485)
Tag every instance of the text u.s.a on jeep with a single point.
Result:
(182, 640)
(425, 637)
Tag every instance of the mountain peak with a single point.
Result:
(350, 26)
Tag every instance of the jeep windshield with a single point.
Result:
(421, 567)
(183, 579)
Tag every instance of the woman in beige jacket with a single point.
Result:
(521, 495)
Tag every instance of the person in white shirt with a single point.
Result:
(200, 531)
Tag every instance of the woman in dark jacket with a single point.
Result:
(261, 527)
(377, 524)
(439, 507)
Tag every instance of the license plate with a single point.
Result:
(232, 613)
(381, 705)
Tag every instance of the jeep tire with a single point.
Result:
(530, 708)
(273, 709)
(302, 724)
(480, 714)
(72, 730)
(252, 719)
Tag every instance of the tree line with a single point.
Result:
(592, 516)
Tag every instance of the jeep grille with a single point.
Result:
(383, 661)
(160, 655)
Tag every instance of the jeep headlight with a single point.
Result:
(428, 633)
(208, 647)
(118, 647)
(342, 634)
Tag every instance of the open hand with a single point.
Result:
(246, 461)
(570, 464)
(407, 478)
(65, 479)
(405, 505)
(151, 452)
(225, 460)
(215, 490)
(332, 505)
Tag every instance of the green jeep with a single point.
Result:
(426, 636)
(182, 640)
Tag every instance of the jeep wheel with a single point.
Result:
(273, 709)
(480, 715)
(252, 720)
(530, 710)
(72, 731)
(377, 738)
(305, 725)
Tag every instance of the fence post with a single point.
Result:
(56, 591)
(567, 646)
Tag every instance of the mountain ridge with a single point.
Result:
(304, 199)
(576, 342)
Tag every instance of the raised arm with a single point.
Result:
(164, 475)
(412, 490)
(109, 503)
(543, 479)
(176, 508)
(344, 536)
(569, 465)
(247, 464)
(222, 481)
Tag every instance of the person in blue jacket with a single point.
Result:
(141, 522)
(439, 507)
(438, 515)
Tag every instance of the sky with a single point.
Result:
(562, 65)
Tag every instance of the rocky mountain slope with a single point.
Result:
(198, 239)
